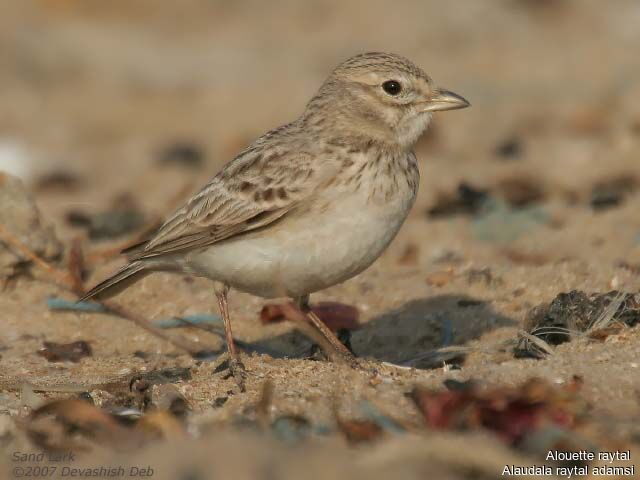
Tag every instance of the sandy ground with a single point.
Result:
(99, 90)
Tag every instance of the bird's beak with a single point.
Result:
(445, 100)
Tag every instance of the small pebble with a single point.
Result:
(182, 154)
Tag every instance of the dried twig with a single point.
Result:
(72, 283)
(608, 313)
(145, 324)
(532, 345)
(13, 242)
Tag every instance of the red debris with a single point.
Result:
(511, 413)
(337, 316)
(60, 352)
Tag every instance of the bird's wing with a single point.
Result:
(252, 191)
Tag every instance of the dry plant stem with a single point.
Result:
(144, 323)
(22, 249)
(605, 318)
(69, 283)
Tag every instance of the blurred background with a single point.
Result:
(114, 112)
(103, 88)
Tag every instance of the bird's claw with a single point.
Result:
(238, 371)
(233, 367)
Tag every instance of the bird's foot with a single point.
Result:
(238, 371)
(344, 354)
(316, 353)
(232, 366)
(362, 365)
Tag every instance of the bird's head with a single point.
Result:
(384, 96)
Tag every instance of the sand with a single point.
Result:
(99, 90)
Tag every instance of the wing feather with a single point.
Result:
(250, 192)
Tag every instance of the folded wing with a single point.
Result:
(252, 191)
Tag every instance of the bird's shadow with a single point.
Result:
(408, 332)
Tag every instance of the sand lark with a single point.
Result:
(309, 204)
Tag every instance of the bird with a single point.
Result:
(309, 204)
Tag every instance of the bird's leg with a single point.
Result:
(236, 368)
(221, 294)
(336, 348)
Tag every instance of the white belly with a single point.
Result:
(304, 254)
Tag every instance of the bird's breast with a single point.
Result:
(329, 239)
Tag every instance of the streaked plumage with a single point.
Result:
(312, 203)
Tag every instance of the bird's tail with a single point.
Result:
(115, 284)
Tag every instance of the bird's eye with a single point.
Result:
(392, 87)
